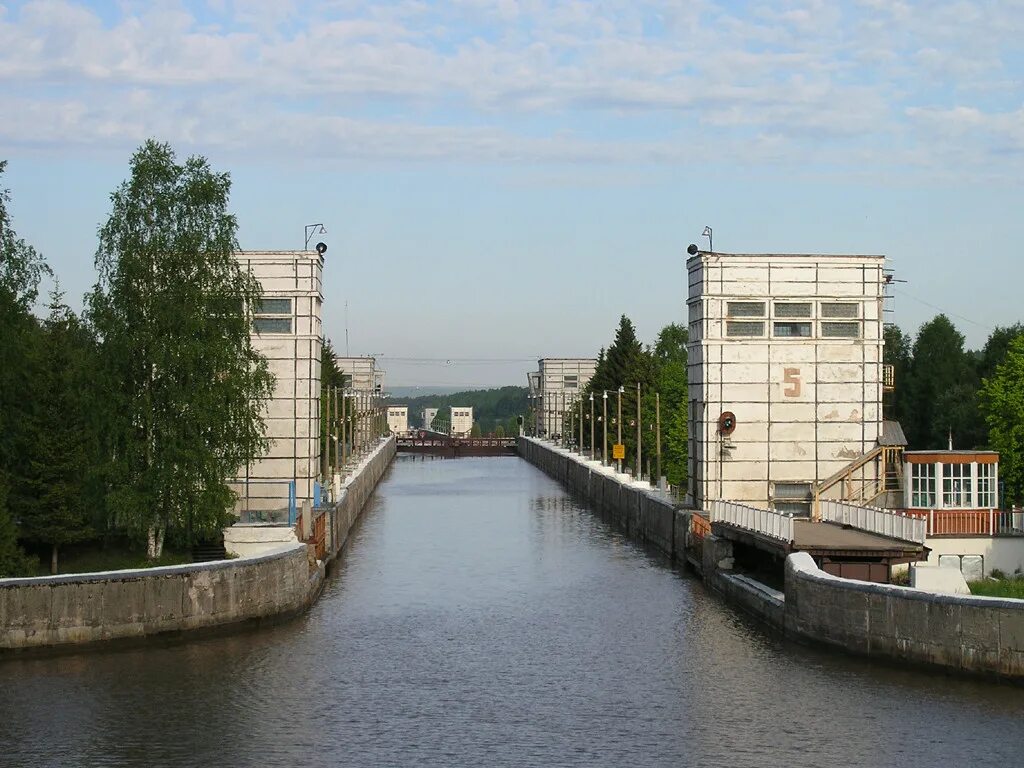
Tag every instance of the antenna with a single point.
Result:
(711, 243)
(313, 229)
(346, 328)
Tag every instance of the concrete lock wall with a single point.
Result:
(280, 581)
(633, 506)
(968, 633)
(83, 608)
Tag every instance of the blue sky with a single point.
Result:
(501, 180)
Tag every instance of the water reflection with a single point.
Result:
(482, 617)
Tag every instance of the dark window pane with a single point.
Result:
(793, 330)
(272, 324)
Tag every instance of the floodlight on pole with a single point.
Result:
(711, 243)
(313, 229)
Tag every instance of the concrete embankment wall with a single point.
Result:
(55, 611)
(633, 506)
(964, 632)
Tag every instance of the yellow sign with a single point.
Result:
(618, 451)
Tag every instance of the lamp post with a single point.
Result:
(657, 431)
(592, 451)
(604, 425)
(639, 435)
(579, 448)
(344, 445)
(618, 426)
(572, 424)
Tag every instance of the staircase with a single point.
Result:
(872, 480)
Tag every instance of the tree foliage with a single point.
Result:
(174, 311)
(1002, 403)
(60, 475)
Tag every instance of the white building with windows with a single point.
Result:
(287, 330)
(554, 386)
(462, 421)
(363, 373)
(398, 419)
(785, 373)
(428, 417)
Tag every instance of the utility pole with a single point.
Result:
(657, 431)
(580, 451)
(604, 425)
(344, 444)
(639, 436)
(592, 446)
(572, 424)
(325, 457)
(336, 426)
(618, 425)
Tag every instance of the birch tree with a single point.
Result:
(173, 310)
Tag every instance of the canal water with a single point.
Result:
(482, 617)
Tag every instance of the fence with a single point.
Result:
(971, 522)
(774, 525)
(881, 521)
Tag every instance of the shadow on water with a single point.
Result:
(482, 616)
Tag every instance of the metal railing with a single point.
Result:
(971, 522)
(265, 501)
(767, 522)
(884, 522)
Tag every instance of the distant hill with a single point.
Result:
(491, 407)
(403, 393)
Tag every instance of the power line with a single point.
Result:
(901, 292)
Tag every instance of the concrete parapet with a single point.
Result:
(642, 511)
(274, 577)
(964, 632)
(89, 607)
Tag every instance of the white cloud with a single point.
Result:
(603, 81)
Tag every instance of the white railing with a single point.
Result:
(767, 522)
(881, 521)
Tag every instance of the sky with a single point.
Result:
(500, 181)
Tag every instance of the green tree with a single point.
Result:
(1002, 404)
(941, 389)
(174, 311)
(672, 385)
(475, 430)
(995, 349)
(499, 431)
(896, 351)
(21, 269)
(61, 468)
(331, 379)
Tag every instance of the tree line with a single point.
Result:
(947, 394)
(130, 419)
(660, 372)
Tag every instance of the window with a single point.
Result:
(570, 382)
(273, 316)
(840, 330)
(793, 330)
(272, 324)
(793, 310)
(922, 485)
(746, 328)
(839, 309)
(746, 308)
(986, 485)
(274, 307)
(792, 498)
(956, 486)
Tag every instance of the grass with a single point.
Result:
(998, 588)
(110, 558)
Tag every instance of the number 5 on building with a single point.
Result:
(791, 377)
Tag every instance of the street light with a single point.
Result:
(591, 426)
(604, 421)
(639, 435)
(618, 425)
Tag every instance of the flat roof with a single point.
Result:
(791, 255)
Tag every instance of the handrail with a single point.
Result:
(873, 520)
(768, 522)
